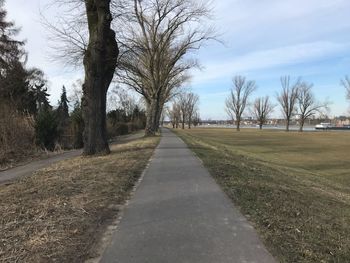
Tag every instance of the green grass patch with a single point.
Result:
(294, 187)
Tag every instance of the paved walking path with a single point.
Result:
(31, 167)
(179, 214)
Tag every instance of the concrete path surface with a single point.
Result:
(179, 214)
(31, 167)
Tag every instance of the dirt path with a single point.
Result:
(29, 168)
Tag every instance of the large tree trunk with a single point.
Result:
(100, 61)
(238, 122)
(287, 124)
(152, 115)
(183, 121)
(159, 116)
(301, 127)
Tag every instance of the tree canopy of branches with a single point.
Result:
(262, 108)
(237, 101)
(307, 104)
(158, 36)
(288, 98)
(174, 114)
(183, 104)
(192, 107)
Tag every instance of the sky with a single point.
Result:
(261, 40)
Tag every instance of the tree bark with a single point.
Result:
(287, 125)
(260, 125)
(238, 125)
(301, 128)
(152, 118)
(100, 61)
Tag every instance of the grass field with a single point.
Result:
(294, 187)
(60, 213)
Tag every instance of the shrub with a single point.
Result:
(17, 135)
(46, 129)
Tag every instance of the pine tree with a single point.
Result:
(10, 49)
(20, 88)
(63, 107)
(62, 114)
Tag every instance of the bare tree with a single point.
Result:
(237, 101)
(262, 108)
(85, 35)
(159, 34)
(183, 105)
(288, 98)
(307, 104)
(346, 83)
(192, 107)
(174, 114)
(196, 120)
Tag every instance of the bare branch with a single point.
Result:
(288, 98)
(237, 101)
(262, 108)
(307, 104)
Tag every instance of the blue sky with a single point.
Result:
(263, 40)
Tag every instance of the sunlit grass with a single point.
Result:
(294, 187)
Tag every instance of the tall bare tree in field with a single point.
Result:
(262, 108)
(307, 104)
(346, 83)
(174, 114)
(159, 35)
(183, 105)
(192, 105)
(288, 98)
(237, 101)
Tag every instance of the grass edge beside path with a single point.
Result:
(298, 220)
(61, 212)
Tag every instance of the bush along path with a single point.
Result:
(179, 214)
(27, 169)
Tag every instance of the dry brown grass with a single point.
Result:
(16, 137)
(293, 187)
(57, 214)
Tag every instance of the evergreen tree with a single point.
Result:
(20, 88)
(46, 128)
(10, 49)
(78, 125)
(63, 108)
(62, 113)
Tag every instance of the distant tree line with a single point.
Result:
(184, 110)
(295, 99)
